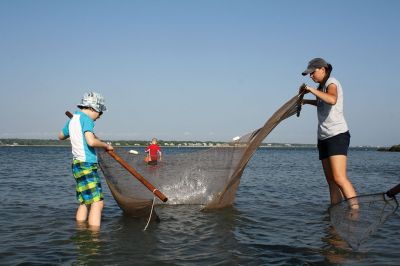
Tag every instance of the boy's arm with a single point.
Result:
(61, 136)
(92, 141)
(64, 133)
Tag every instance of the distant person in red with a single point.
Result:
(154, 152)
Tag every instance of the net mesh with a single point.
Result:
(356, 225)
(208, 177)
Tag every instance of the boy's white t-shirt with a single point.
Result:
(75, 129)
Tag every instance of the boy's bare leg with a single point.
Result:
(96, 209)
(81, 213)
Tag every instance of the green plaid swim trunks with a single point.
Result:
(88, 186)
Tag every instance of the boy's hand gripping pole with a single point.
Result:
(131, 170)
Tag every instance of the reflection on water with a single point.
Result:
(87, 242)
(279, 217)
(336, 250)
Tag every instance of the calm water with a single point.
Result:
(279, 217)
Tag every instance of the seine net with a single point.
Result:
(207, 177)
(356, 225)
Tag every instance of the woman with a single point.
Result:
(333, 132)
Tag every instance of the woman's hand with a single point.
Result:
(303, 88)
(309, 89)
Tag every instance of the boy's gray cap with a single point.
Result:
(314, 64)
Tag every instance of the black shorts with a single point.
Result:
(336, 145)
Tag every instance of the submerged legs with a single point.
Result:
(94, 210)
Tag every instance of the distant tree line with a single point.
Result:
(55, 142)
(132, 143)
(393, 148)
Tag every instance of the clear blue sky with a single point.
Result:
(196, 70)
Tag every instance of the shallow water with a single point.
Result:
(279, 217)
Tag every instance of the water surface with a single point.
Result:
(279, 216)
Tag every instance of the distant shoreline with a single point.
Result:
(168, 144)
(141, 143)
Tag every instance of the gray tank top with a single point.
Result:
(331, 120)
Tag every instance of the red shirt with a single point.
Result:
(153, 150)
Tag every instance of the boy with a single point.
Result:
(84, 166)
